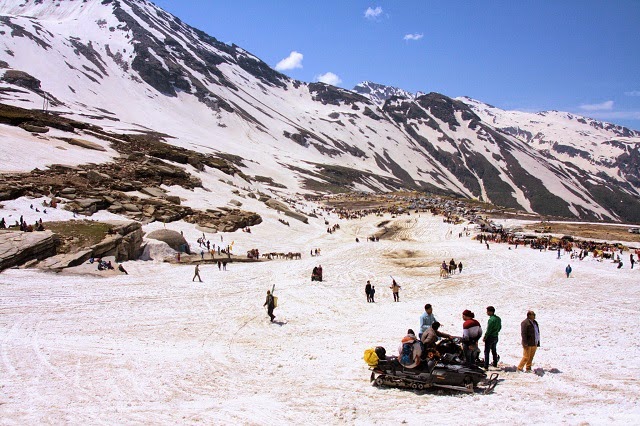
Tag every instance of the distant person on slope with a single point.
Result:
(568, 270)
(367, 291)
(270, 304)
(196, 273)
(395, 288)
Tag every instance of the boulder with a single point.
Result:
(33, 129)
(277, 205)
(84, 144)
(125, 243)
(95, 177)
(154, 192)
(66, 260)
(18, 247)
(174, 239)
(172, 199)
(132, 208)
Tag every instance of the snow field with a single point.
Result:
(155, 347)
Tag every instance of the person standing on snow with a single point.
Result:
(367, 291)
(372, 294)
(471, 333)
(490, 338)
(568, 270)
(530, 333)
(270, 304)
(395, 288)
(426, 319)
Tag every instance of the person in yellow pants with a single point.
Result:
(530, 340)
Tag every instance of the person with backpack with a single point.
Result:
(410, 350)
(270, 304)
(471, 333)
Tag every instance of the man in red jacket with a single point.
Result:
(530, 340)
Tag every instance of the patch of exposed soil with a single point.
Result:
(587, 231)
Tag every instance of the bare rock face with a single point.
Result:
(174, 239)
(280, 206)
(18, 247)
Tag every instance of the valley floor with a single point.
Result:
(154, 347)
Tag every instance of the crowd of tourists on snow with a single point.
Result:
(415, 349)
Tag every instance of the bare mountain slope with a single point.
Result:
(130, 67)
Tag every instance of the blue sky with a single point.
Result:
(576, 56)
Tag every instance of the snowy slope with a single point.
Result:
(155, 347)
(130, 67)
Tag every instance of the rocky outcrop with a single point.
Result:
(174, 239)
(17, 248)
(277, 205)
(124, 242)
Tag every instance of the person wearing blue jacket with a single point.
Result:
(426, 319)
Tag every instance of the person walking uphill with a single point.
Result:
(530, 340)
(270, 304)
(395, 288)
(490, 338)
(196, 273)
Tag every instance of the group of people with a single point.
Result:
(370, 291)
(316, 273)
(451, 267)
(425, 343)
(23, 225)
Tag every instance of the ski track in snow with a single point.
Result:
(155, 347)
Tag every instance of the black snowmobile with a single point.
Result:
(444, 368)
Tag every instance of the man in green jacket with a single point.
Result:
(490, 338)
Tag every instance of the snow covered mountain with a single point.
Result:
(128, 67)
(379, 93)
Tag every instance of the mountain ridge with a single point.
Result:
(138, 69)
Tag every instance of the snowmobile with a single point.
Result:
(444, 369)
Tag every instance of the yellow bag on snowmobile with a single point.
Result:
(370, 357)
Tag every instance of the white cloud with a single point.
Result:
(415, 36)
(633, 93)
(329, 78)
(604, 106)
(294, 60)
(372, 13)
